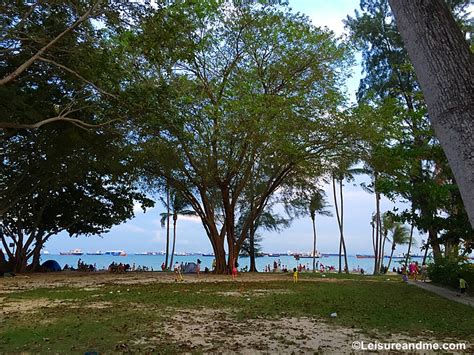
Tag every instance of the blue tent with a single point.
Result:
(51, 265)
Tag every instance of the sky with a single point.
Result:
(144, 232)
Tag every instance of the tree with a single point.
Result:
(267, 220)
(57, 63)
(400, 236)
(339, 207)
(177, 206)
(317, 205)
(165, 220)
(256, 98)
(88, 186)
(416, 169)
(444, 66)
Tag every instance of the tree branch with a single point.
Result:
(30, 61)
(75, 121)
(78, 76)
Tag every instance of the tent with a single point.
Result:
(51, 265)
(190, 268)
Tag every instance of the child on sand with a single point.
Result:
(234, 271)
(177, 272)
(295, 275)
(198, 267)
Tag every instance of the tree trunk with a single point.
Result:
(391, 255)
(434, 242)
(253, 265)
(444, 66)
(382, 252)
(338, 220)
(342, 228)
(167, 228)
(377, 233)
(373, 236)
(409, 244)
(175, 220)
(35, 263)
(314, 244)
(425, 254)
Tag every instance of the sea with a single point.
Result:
(153, 262)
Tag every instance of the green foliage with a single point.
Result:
(256, 98)
(398, 141)
(448, 271)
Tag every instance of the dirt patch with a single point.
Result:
(253, 293)
(95, 280)
(213, 331)
(35, 305)
(218, 331)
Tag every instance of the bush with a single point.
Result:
(447, 272)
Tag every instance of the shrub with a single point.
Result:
(447, 271)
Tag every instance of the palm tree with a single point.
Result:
(317, 205)
(388, 223)
(340, 219)
(177, 207)
(400, 236)
(165, 218)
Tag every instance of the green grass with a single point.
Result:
(371, 304)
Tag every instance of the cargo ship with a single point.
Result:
(115, 253)
(72, 252)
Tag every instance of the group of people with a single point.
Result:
(278, 267)
(81, 266)
(413, 271)
(178, 269)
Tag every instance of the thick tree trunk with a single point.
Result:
(434, 243)
(253, 264)
(35, 263)
(444, 66)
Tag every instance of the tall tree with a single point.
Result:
(339, 207)
(414, 169)
(317, 205)
(177, 206)
(444, 65)
(258, 100)
(399, 236)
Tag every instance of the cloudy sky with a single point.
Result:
(144, 233)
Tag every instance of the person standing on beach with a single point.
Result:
(198, 267)
(295, 275)
(177, 272)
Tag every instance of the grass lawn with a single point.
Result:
(113, 317)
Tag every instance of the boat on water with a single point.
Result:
(208, 254)
(331, 254)
(305, 255)
(115, 253)
(72, 252)
(359, 256)
(98, 252)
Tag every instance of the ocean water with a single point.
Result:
(154, 261)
